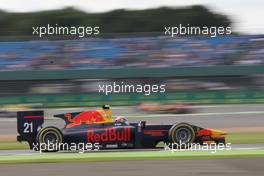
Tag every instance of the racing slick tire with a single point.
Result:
(181, 135)
(220, 141)
(49, 138)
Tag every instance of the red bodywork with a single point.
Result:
(207, 134)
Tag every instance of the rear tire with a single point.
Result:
(181, 135)
(49, 139)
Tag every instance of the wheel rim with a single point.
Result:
(183, 135)
(50, 138)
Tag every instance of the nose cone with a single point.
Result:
(218, 132)
(211, 132)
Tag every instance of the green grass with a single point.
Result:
(132, 155)
(245, 138)
(13, 145)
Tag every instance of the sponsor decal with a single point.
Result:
(34, 117)
(109, 135)
(156, 132)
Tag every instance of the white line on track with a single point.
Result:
(30, 153)
(249, 148)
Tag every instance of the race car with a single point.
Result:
(116, 134)
(177, 108)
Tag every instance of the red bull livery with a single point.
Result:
(110, 134)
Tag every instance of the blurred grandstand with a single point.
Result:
(137, 52)
(196, 69)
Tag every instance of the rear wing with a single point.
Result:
(28, 124)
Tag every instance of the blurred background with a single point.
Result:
(65, 71)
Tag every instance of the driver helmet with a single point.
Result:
(121, 119)
(107, 111)
(106, 107)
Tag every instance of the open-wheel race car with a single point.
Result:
(114, 134)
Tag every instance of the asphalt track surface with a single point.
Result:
(181, 167)
(214, 116)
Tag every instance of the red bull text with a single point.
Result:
(109, 135)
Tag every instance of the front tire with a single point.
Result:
(181, 135)
(220, 141)
(49, 139)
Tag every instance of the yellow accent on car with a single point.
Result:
(217, 133)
